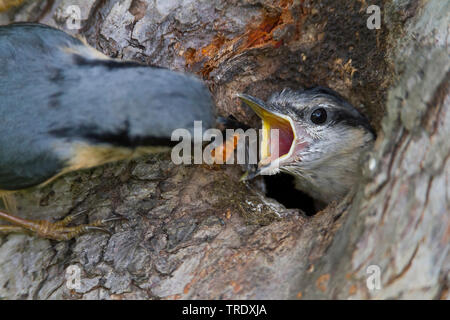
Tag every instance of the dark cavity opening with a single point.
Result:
(281, 188)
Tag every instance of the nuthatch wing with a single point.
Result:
(65, 106)
(320, 139)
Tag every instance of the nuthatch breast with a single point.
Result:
(321, 138)
(65, 106)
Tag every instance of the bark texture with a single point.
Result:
(197, 232)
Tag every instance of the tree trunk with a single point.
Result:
(197, 232)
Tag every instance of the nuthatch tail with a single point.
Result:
(65, 106)
(321, 137)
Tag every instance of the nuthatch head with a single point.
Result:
(65, 106)
(320, 139)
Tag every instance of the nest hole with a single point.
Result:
(281, 188)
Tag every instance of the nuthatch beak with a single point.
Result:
(320, 139)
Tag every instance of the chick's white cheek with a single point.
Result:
(324, 141)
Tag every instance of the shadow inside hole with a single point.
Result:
(281, 188)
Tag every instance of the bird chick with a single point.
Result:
(65, 106)
(320, 139)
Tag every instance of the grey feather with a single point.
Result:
(325, 155)
(51, 97)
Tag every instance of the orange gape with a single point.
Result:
(225, 150)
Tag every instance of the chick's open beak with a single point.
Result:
(278, 137)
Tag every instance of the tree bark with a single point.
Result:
(196, 232)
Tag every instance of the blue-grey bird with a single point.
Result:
(321, 137)
(65, 106)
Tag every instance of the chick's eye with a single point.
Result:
(319, 116)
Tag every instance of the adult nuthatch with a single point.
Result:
(65, 106)
(321, 137)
